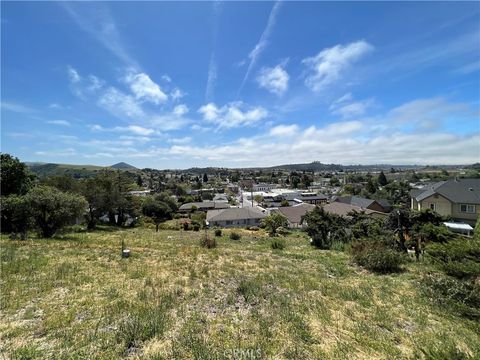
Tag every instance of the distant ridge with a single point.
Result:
(123, 166)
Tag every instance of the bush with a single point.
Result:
(53, 209)
(235, 236)
(277, 244)
(459, 258)
(208, 242)
(377, 256)
(325, 228)
(282, 231)
(186, 226)
(462, 297)
(218, 232)
(196, 227)
(253, 228)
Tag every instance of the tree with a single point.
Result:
(16, 215)
(65, 183)
(382, 179)
(139, 180)
(14, 176)
(284, 203)
(205, 178)
(159, 208)
(325, 228)
(273, 222)
(52, 209)
(371, 188)
(93, 193)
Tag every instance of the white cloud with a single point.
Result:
(144, 88)
(177, 94)
(274, 79)
(232, 115)
(262, 43)
(15, 107)
(133, 129)
(183, 140)
(347, 107)
(328, 66)
(59, 122)
(99, 23)
(121, 104)
(83, 86)
(180, 110)
(284, 130)
(211, 78)
(166, 78)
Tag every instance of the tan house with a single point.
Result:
(294, 214)
(459, 198)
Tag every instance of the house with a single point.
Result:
(263, 187)
(220, 198)
(235, 217)
(294, 214)
(203, 206)
(458, 198)
(342, 209)
(312, 198)
(370, 204)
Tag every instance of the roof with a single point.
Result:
(234, 214)
(355, 200)
(457, 191)
(457, 226)
(294, 213)
(343, 209)
(204, 205)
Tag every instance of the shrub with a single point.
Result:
(186, 226)
(208, 242)
(273, 222)
(235, 236)
(277, 244)
(325, 228)
(253, 228)
(196, 227)
(462, 297)
(459, 258)
(218, 232)
(282, 231)
(52, 209)
(377, 256)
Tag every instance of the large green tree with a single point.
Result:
(14, 176)
(159, 208)
(53, 209)
(325, 228)
(16, 215)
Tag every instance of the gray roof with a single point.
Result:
(234, 214)
(457, 191)
(294, 213)
(205, 205)
(355, 201)
(343, 209)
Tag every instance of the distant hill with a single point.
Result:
(123, 166)
(76, 171)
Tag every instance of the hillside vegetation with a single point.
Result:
(73, 296)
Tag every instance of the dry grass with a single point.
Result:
(74, 297)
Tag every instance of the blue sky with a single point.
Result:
(174, 85)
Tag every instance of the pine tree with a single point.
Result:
(382, 179)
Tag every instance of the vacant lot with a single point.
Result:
(74, 297)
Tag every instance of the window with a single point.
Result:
(432, 206)
(467, 208)
(229, 222)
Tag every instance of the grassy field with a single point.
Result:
(74, 297)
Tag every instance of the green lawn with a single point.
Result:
(74, 297)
